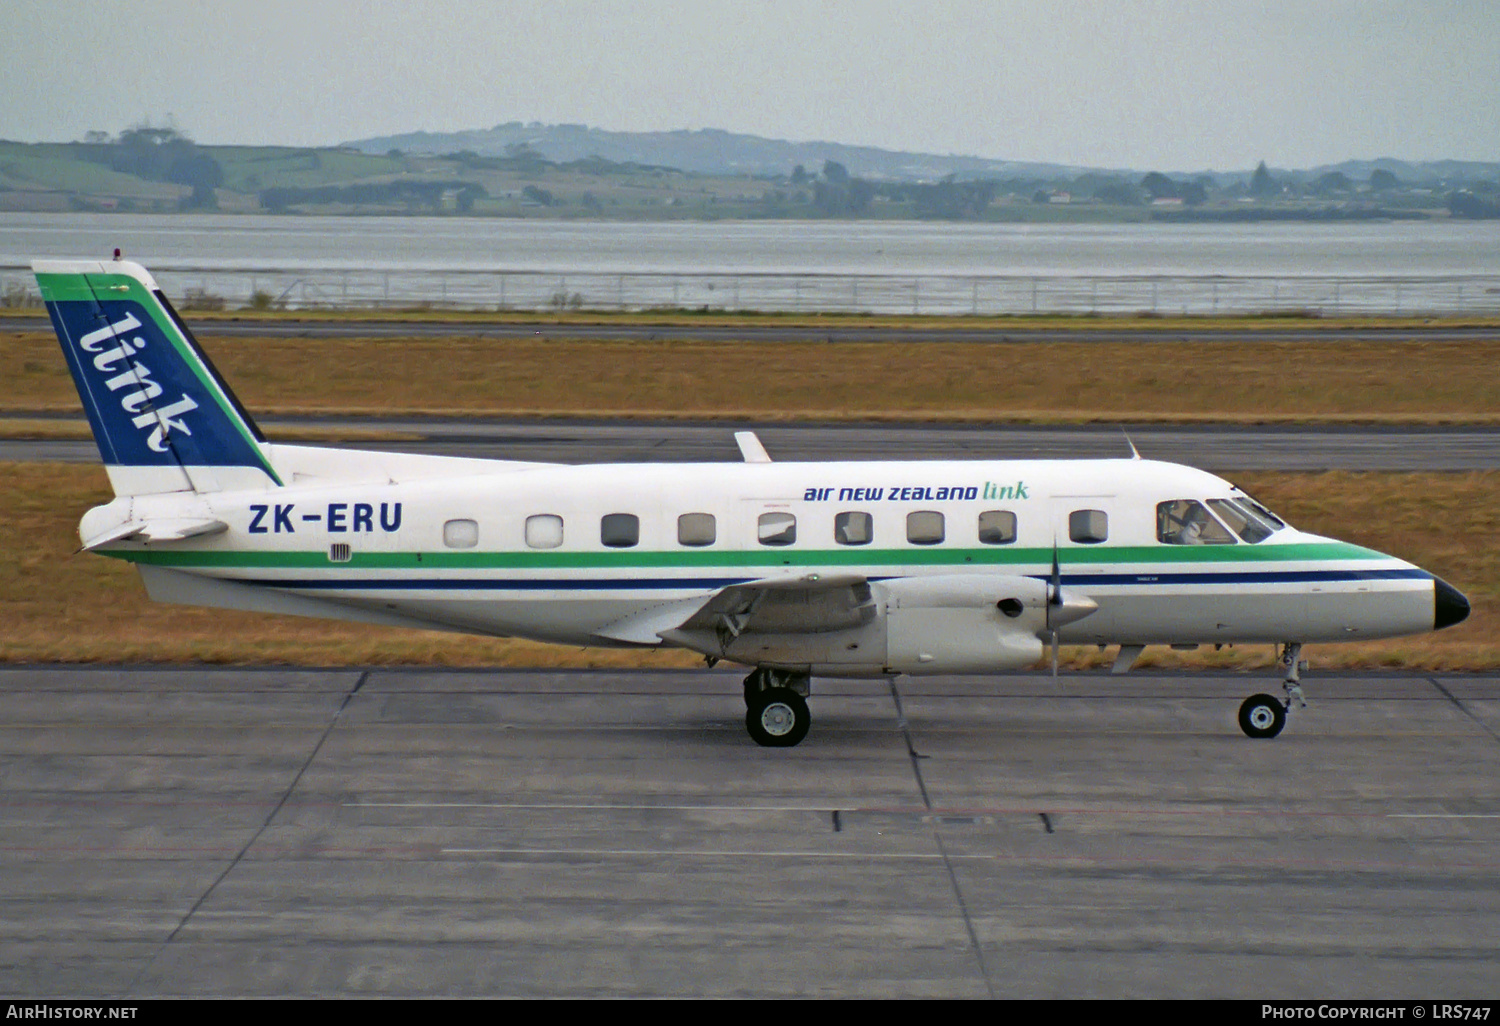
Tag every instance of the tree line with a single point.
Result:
(159, 155)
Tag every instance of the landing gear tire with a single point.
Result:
(1262, 716)
(777, 717)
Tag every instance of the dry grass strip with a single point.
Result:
(1393, 381)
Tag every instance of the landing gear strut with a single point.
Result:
(1264, 715)
(1291, 662)
(776, 713)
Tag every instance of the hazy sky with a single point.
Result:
(1180, 85)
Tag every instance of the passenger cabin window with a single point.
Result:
(1186, 522)
(1088, 526)
(460, 534)
(620, 530)
(1244, 520)
(777, 529)
(924, 527)
(696, 529)
(544, 531)
(853, 528)
(997, 527)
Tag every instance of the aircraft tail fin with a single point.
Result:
(163, 417)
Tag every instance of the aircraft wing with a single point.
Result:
(812, 604)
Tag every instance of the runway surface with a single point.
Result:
(305, 832)
(832, 332)
(1209, 447)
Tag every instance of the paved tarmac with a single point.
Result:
(1209, 447)
(1097, 331)
(303, 832)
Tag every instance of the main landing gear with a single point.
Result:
(1265, 715)
(776, 713)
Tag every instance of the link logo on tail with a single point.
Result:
(152, 397)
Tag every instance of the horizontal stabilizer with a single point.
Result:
(168, 529)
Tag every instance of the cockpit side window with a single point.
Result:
(1186, 522)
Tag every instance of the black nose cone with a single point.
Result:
(1448, 605)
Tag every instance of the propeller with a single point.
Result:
(1054, 598)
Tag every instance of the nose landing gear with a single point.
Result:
(1263, 716)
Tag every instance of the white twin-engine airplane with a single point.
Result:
(795, 569)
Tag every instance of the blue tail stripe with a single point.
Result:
(80, 382)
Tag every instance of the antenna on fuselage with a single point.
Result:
(1134, 452)
(750, 447)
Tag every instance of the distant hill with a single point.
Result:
(716, 152)
(1434, 172)
(572, 171)
(705, 151)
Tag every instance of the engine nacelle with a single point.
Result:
(962, 623)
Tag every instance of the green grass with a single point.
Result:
(251, 168)
(50, 168)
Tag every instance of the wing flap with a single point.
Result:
(785, 605)
(793, 605)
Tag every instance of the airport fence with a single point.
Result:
(1161, 295)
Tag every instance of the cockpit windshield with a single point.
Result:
(1247, 518)
(1265, 514)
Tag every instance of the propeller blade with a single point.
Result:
(1054, 598)
(1054, 586)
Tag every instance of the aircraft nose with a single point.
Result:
(1448, 605)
